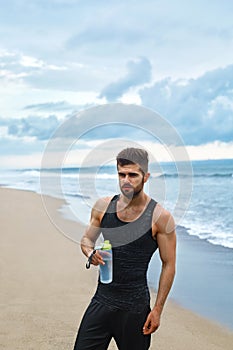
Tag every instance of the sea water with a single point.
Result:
(204, 280)
(206, 213)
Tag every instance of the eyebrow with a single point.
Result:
(131, 174)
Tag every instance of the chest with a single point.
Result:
(129, 214)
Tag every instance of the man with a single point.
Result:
(136, 226)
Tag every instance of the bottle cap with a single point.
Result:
(107, 245)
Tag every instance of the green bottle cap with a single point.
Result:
(107, 245)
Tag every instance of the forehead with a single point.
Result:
(129, 168)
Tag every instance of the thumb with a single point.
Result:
(146, 326)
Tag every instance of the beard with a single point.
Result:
(134, 192)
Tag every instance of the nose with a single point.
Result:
(126, 178)
(126, 181)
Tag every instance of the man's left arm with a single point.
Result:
(166, 239)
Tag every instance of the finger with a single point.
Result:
(150, 326)
(146, 326)
(149, 330)
(97, 259)
(146, 330)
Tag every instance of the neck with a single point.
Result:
(141, 198)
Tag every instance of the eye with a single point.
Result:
(121, 175)
(133, 175)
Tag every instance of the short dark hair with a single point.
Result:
(133, 155)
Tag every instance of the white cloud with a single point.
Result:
(28, 61)
(106, 150)
(179, 43)
(8, 75)
(20, 161)
(57, 68)
(4, 53)
(213, 150)
(138, 73)
(43, 74)
(216, 150)
(3, 131)
(16, 95)
(53, 68)
(131, 98)
(196, 107)
(32, 62)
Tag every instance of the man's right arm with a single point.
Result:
(93, 231)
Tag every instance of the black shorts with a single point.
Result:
(101, 323)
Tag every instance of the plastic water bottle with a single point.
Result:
(106, 269)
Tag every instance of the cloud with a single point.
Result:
(47, 74)
(32, 62)
(174, 41)
(24, 136)
(52, 106)
(201, 109)
(42, 67)
(111, 125)
(115, 121)
(98, 34)
(15, 66)
(27, 61)
(166, 31)
(16, 60)
(29, 128)
(11, 76)
(139, 72)
(12, 144)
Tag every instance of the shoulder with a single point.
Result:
(163, 221)
(100, 207)
(102, 203)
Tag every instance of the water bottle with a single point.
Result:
(106, 269)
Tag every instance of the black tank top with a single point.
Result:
(132, 247)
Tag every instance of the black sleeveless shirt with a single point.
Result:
(132, 247)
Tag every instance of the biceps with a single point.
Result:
(167, 246)
(93, 230)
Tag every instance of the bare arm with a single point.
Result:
(93, 231)
(166, 238)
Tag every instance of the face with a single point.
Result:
(131, 179)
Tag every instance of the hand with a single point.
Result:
(152, 322)
(97, 259)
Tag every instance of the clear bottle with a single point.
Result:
(106, 269)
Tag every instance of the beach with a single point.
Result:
(45, 287)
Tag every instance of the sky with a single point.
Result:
(59, 57)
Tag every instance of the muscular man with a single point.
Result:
(136, 226)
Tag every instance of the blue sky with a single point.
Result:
(61, 56)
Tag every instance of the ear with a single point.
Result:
(146, 177)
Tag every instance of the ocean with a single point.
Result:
(208, 215)
(202, 203)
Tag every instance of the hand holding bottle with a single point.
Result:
(96, 258)
(102, 256)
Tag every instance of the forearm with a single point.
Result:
(167, 252)
(87, 245)
(165, 283)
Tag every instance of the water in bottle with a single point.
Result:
(106, 269)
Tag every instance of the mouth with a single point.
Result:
(127, 187)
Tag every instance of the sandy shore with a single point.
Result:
(45, 287)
